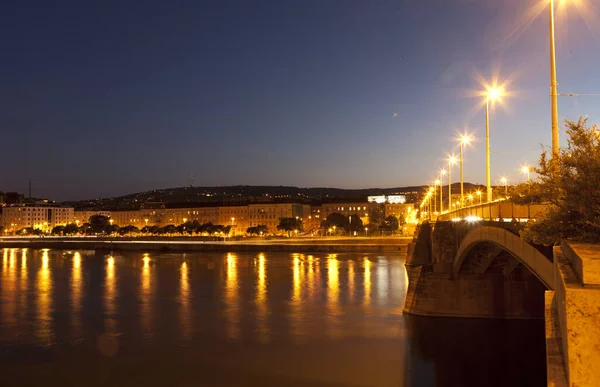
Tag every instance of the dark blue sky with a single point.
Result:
(112, 97)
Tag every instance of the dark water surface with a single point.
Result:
(277, 319)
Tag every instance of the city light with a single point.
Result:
(525, 169)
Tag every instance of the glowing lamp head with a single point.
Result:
(452, 160)
(525, 169)
(443, 172)
(494, 93)
(478, 193)
(437, 182)
(465, 139)
(503, 180)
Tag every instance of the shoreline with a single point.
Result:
(299, 245)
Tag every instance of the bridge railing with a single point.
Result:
(500, 210)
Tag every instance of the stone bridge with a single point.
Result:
(502, 240)
(484, 269)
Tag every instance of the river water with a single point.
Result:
(89, 319)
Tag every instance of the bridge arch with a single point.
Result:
(525, 253)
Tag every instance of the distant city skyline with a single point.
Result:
(111, 99)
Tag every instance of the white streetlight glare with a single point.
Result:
(525, 169)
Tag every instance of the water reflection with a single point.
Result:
(367, 284)
(344, 327)
(9, 287)
(184, 301)
(145, 293)
(261, 301)
(23, 286)
(110, 321)
(333, 295)
(44, 330)
(76, 294)
(296, 304)
(350, 281)
(383, 283)
(231, 298)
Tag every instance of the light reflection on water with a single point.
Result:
(184, 300)
(44, 331)
(334, 317)
(76, 295)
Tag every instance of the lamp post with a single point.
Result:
(451, 162)
(491, 95)
(465, 139)
(441, 180)
(553, 92)
(436, 182)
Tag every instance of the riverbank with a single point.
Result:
(297, 245)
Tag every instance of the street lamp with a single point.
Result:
(470, 197)
(465, 139)
(478, 193)
(442, 174)
(435, 184)
(451, 162)
(504, 181)
(491, 95)
(525, 170)
(553, 92)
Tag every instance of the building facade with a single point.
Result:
(268, 214)
(15, 218)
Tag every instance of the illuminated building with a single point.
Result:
(40, 217)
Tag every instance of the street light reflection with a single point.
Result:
(261, 300)
(184, 300)
(76, 295)
(231, 298)
(44, 302)
(333, 295)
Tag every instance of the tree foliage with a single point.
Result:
(390, 223)
(569, 183)
(289, 224)
(261, 229)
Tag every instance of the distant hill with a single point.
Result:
(243, 194)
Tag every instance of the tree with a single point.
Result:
(112, 229)
(128, 230)
(150, 229)
(289, 224)
(98, 224)
(261, 229)
(168, 229)
(390, 223)
(337, 220)
(568, 183)
(58, 230)
(355, 223)
(70, 229)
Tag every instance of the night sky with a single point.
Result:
(113, 97)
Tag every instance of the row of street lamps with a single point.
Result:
(492, 94)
